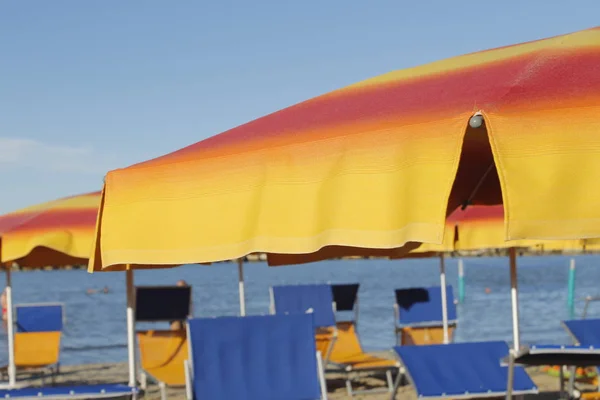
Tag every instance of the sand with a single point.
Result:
(113, 373)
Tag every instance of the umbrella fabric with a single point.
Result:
(58, 232)
(378, 164)
(482, 227)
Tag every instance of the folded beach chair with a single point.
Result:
(338, 343)
(570, 355)
(37, 338)
(162, 352)
(418, 315)
(586, 332)
(461, 371)
(257, 357)
(345, 298)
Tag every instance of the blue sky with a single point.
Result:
(88, 86)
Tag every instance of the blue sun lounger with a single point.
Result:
(70, 392)
(418, 315)
(39, 328)
(256, 357)
(38, 336)
(461, 371)
(338, 342)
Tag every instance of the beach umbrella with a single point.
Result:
(56, 233)
(378, 164)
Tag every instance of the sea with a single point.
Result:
(95, 327)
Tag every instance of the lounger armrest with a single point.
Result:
(189, 391)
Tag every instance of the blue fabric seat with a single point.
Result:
(341, 348)
(39, 317)
(586, 332)
(70, 392)
(256, 357)
(461, 370)
(300, 299)
(423, 306)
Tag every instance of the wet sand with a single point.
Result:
(113, 373)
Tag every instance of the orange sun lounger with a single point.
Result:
(163, 352)
(37, 337)
(338, 342)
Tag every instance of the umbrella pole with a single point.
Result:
(514, 297)
(444, 298)
(241, 287)
(12, 370)
(130, 327)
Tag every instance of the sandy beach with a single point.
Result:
(110, 373)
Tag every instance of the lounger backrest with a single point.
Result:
(299, 299)
(39, 317)
(461, 369)
(345, 296)
(256, 357)
(423, 306)
(585, 331)
(162, 303)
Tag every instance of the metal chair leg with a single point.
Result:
(163, 391)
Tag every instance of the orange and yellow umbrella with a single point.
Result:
(59, 232)
(378, 164)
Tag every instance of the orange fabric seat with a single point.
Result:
(424, 335)
(162, 354)
(348, 352)
(37, 349)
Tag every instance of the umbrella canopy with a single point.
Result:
(378, 164)
(58, 232)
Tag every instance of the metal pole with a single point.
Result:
(514, 297)
(10, 324)
(571, 290)
(241, 287)
(131, 326)
(461, 281)
(444, 298)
